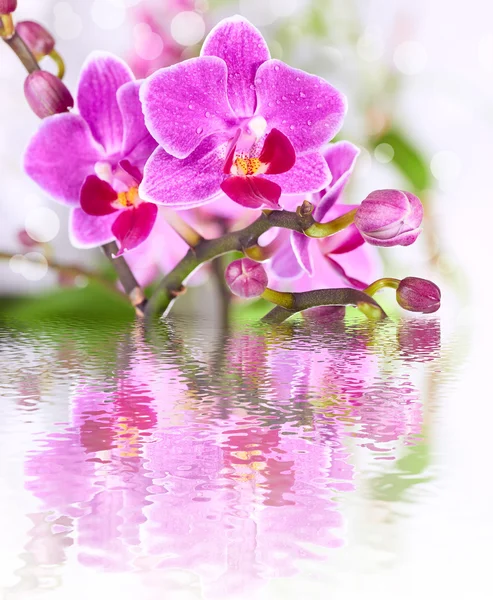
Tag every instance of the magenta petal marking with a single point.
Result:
(243, 49)
(278, 153)
(61, 155)
(341, 158)
(356, 283)
(132, 227)
(186, 103)
(252, 192)
(187, 182)
(134, 172)
(102, 75)
(301, 249)
(310, 173)
(97, 196)
(88, 231)
(138, 144)
(304, 107)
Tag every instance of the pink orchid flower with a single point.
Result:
(93, 160)
(236, 121)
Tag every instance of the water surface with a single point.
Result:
(189, 462)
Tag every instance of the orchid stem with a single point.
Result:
(58, 60)
(379, 284)
(284, 299)
(167, 291)
(127, 278)
(23, 53)
(187, 233)
(300, 301)
(322, 230)
(7, 28)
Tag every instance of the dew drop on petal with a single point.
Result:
(284, 98)
(199, 130)
(252, 87)
(291, 127)
(308, 122)
(319, 106)
(276, 68)
(207, 114)
(302, 95)
(190, 106)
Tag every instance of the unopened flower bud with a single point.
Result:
(418, 295)
(389, 218)
(46, 94)
(246, 278)
(7, 6)
(36, 37)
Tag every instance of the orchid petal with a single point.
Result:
(310, 173)
(58, 169)
(97, 197)
(138, 144)
(88, 231)
(278, 153)
(102, 76)
(342, 242)
(301, 249)
(131, 170)
(284, 263)
(341, 158)
(132, 227)
(187, 182)
(252, 192)
(186, 103)
(304, 107)
(351, 281)
(243, 49)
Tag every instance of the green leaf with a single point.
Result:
(407, 159)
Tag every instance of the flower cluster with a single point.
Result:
(215, 139)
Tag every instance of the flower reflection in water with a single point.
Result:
(228, 459)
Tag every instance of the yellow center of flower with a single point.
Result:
(247, 166)
(129, 198)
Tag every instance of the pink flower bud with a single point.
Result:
(389, 218)
(7, 6)
(418, 295)
(37, 38)
(46, 94)
(246, 278)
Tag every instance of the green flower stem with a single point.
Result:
(300, 301)
(58, 60)
(284, 299)
(24, 54)
(379, 284)
(172, 285)
(182, 228)
(7, 28)
(323, 230)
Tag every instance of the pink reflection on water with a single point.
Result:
(232, 467)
